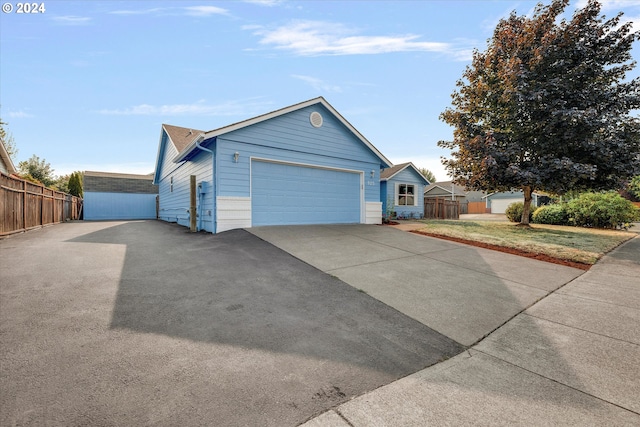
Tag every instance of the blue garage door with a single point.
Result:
(287, 194)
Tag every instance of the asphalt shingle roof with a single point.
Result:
(181, 137)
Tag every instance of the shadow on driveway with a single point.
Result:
(204, 330)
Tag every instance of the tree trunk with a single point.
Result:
(527, 205)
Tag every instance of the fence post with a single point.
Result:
(24, 205)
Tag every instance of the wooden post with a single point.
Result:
(192, 204)
(24, 205)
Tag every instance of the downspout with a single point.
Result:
(200, 138)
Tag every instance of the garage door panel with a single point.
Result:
(500, 205)
(290, 194)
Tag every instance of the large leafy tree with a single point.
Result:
(37, 169)
(547, 106)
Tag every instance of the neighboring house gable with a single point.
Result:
(303, 164)
(6, 164)
(401, 190)
(445, 189)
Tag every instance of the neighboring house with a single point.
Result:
(450, 191)
(303, 164)
(6, 164)
(116, 196)
(498, 202)
(401, 191)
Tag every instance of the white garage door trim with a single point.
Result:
(310, 165)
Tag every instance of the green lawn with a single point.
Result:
(582, 245)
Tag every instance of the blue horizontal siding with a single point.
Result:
(291, 138)
(109, 206)
(406, 176)
(174, 205)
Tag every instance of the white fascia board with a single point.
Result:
(156, 174)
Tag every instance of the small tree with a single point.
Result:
(7, 140)
(633, 187)
(428, 175)
(40, 170)
(61, 183)
(75, 184)
(546, 106)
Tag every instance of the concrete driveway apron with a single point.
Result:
(460, 291)
(142, 323)
(570, 359)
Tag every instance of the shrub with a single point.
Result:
(551, 214)
(602, 210)
(514, 211)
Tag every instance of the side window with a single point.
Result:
(171, 185)
(406, 195)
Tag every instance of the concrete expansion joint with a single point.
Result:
(581, 329)
(599, 301)
(557, 382)
(369, 263)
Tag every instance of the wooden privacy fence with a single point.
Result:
(25, 205)
(477, 208)
(441, 209)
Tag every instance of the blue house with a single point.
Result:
(303, 164)
(402, 191)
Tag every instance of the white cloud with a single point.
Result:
(316, 38)
(139, 12)
(188, 10)
(611, 4)
(205, 10)
(19, 115)
(72, 20)
(265, 2)
(200, 108)
(318, 84)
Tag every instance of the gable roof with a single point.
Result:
(389, 173)
(6, 159)
(446, 186)
(184, 153)
(180, 138)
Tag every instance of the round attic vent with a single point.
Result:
(316, 119)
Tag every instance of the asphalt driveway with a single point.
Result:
(142, 323)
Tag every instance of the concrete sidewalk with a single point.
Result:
(570, 359)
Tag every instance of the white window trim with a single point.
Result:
(397, 194)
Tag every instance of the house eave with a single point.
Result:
(11, 168)
(187, 151)
(425, 180)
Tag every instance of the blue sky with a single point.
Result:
(86, 85)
